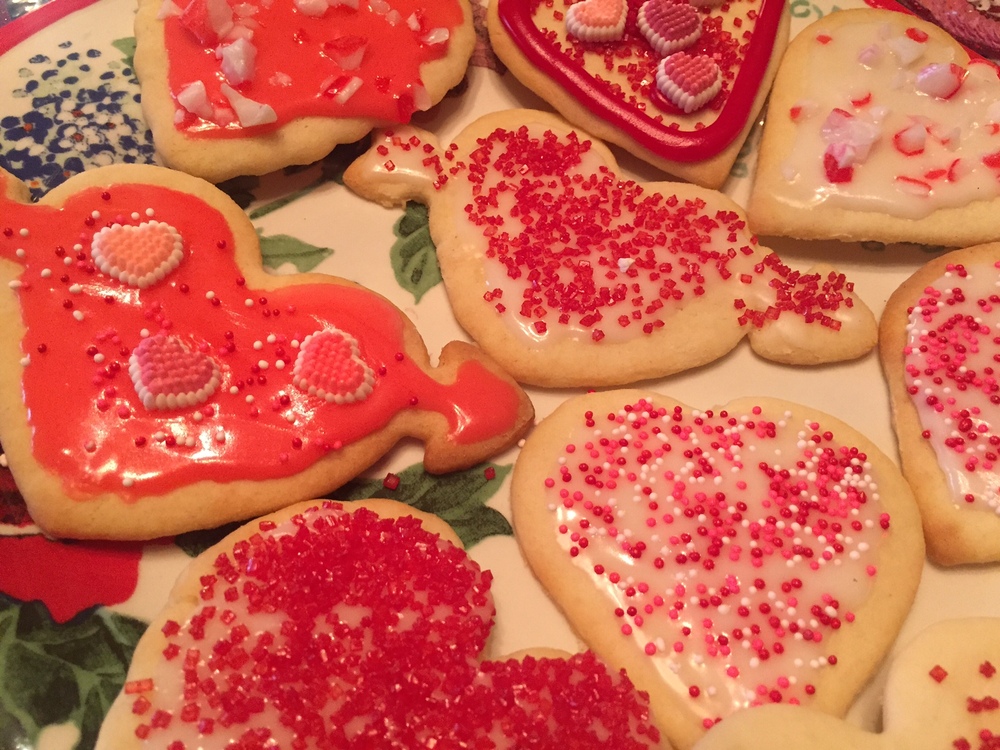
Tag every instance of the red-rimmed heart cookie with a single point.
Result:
(355, 626)
(942, 691)
(138, 255)
(761, 552)
(880, 127)
(329, 366)
(938, 345)
(668, 25)
(589, 279)
(597, 20)
(688, 81)
(248, 88)
(168, 374)
(610, 91)
(219, 393)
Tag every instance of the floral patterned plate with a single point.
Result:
(70, 613)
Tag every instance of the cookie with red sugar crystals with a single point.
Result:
(880, 127)
(942, 691)
(938, 346)
(726, 558)
(160, 380)
(570, 275)
(607, 84)
(247, 88)
(312, 626)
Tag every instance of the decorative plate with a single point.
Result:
(70, 613)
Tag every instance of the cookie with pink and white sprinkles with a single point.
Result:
(939, 346)
(758, 553)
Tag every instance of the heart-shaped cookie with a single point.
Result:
(880, 127)
(610, 90)
(938, 344)
(247, 88)
(728, 558)
(167, 374)
(942, 691)
(142, 410)
(329, 365)
(138, 255)
(354, 626)
(586, 278)
(669, 26)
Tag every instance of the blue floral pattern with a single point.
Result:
(80, 110)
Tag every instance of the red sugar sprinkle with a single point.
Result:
(938, 673)
(391, 481)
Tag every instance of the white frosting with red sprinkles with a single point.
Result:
(729, 546)
(342, 629)
(951, 376)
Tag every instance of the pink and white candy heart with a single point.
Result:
(597, 20)
(688, 81)
(329, 365)
(138, 255)
(169, 374)
(669, 26)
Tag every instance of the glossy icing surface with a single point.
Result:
(338, 61)
(889, 123)
(95, 345)
(730, 547)
(616, 80)
(952, 380)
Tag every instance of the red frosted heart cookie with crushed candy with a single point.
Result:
(938, 345)
(880, 127)
(606, 83)
(942, 691)
(246, 88)
(156, 379)
(760, 552)
(570, 275)
(355, 626)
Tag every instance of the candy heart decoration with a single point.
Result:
(688, 81)
(756, 554)
(137, 255)
(942, 691)
(167, 374)
(597, 20)
(668, 25)
(149, 410)
(590, 85)
(339, 628)
(329, 365)
(590, 279)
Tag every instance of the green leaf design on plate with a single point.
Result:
(413, 255)
(458, 498)
(125, 45)
(278, 249)
(54, 674)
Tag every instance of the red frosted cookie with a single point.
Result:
(231, 88)
(156, 379)
(943, 691)
(880, 127)
(599, 63)
(938, 344)
(568, 274)
(761, 552)
(355, 626)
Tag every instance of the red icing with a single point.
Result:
(291, 43)
(743, 60)
(88, 424)
(368, 635)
